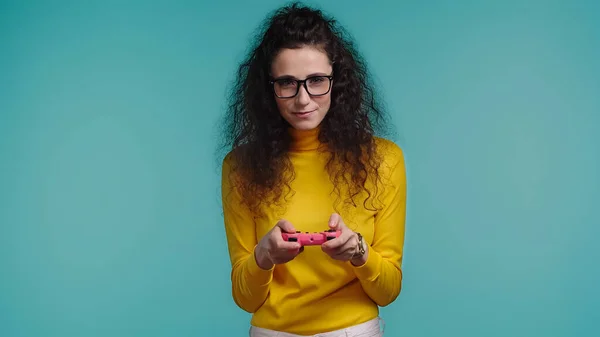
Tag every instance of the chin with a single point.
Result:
(305, 125)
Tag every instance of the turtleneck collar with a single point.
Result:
(304, 140)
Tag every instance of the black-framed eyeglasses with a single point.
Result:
(318, 85)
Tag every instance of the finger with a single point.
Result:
(334, 221)
(296, 252)
(340, 245)
(291, 253)
(284, 256)
(333, 244)
(339, 241)
(280, 243)
(283, 245)
(286, 226)
(345, 252)
(349, 246)
(345, 256)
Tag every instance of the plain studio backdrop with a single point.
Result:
(110, 220)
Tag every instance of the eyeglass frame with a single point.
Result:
(303, 83)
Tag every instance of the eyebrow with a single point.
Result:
(287, 77)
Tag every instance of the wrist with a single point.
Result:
(360, 256)
(360, 260)
(262, 258)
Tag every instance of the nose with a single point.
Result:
(303, 97)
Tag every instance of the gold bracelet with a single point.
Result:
(360, 248)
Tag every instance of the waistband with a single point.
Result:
(374, 327)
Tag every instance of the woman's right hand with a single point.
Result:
(272, 249)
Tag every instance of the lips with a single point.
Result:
(303, 113)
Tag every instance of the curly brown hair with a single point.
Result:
(256, 135)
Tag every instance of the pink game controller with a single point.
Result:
(311, 239)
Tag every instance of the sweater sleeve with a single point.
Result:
(381, 275)
(250, 283)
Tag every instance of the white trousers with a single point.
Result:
(372, 328)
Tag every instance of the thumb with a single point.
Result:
(335, 221)
(286, 226)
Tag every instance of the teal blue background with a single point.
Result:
(109, 189)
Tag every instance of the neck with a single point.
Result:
(304, 140)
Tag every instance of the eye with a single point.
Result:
(286, 83)
(316, 80)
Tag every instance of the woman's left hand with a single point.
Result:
(344, 247)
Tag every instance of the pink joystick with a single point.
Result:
(311, 239)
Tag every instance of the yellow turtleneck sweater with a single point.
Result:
(314, 293)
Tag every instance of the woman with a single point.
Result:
(304, 157)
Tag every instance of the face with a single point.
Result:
(303, 111)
